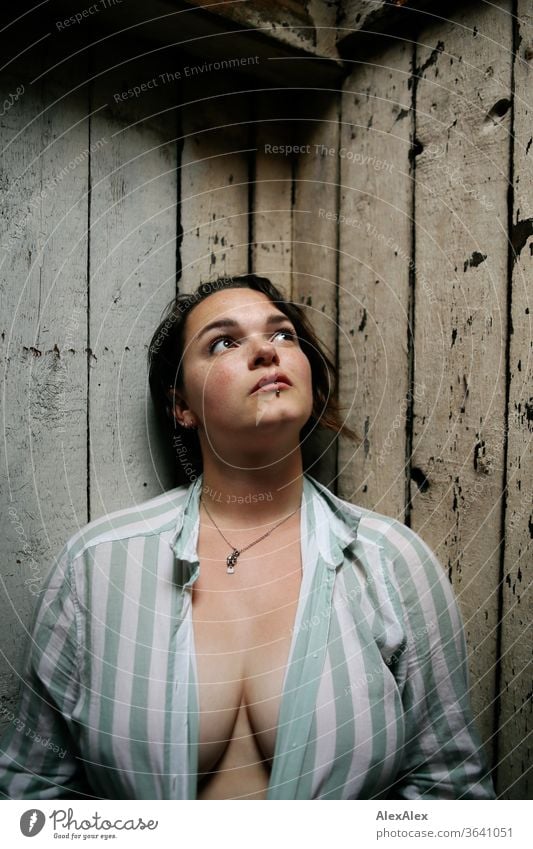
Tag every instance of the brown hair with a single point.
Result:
(165, 361)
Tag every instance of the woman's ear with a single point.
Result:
(179, 409)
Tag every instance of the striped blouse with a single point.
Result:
(374, 704)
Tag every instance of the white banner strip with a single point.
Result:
(270, 825)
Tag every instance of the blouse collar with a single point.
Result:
(328, 525)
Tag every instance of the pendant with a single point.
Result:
(231, 560)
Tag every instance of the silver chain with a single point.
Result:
(231, 559)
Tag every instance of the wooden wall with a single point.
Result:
(403, 226)
(435, 329)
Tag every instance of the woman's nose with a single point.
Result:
(264, 351)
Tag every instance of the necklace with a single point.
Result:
(231, 559)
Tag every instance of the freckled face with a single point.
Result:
(222, 364)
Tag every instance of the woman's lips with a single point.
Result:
(271, 379)
(272, 387)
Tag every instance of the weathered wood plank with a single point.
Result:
(294, 23)
(462, 173)
(214, 180)
(358, 14)
(514, 744)
(43, 262)
(368, 17)
(293, 41)
(132, 277)
(314, 278)
(375, 257)
(289, 18)
(324, 16)
(271, 214)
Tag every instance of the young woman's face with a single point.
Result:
(233, 339)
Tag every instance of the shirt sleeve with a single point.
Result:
(38, 754)
(443, 757)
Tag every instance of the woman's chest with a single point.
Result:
(243, 629)
(204, 678)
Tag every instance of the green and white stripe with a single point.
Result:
(375, 696)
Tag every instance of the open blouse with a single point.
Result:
(375, 701)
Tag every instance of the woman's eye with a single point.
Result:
(216, 342)
(289, 334)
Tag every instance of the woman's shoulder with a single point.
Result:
(398, 563)
(149, 517)
(402, 548)
(372, 526)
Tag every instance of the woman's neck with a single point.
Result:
(252, 496)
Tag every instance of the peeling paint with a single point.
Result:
(416, 149)
(418, 476)
(498, 111)
(520, 233)
(476, 259)
(403, 113)
(435, 53)
(479, 454)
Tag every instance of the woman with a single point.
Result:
(247, 635)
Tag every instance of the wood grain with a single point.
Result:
(374, 297)
(315, 239)
(217, 145)
(514, 740)
(271, 211)
(43, 261)
(460, 327)
(132, 273)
